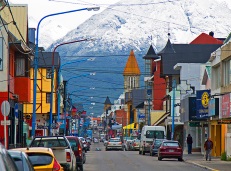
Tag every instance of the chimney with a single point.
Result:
(32, 35)
(211, 33)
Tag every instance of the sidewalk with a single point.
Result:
(216, 164)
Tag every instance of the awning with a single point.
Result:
(156, 115)
(130, 126)
(162, 118)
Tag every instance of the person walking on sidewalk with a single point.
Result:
(189, 143)
(208, 145)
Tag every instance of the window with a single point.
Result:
(49, 73)
(48, 97)
(155, 134)
(226, 73)
(132, 82)
(20, 67)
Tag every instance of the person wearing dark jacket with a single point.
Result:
(208, 145)
(189, 143)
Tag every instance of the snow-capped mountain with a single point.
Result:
(130, 24)
(134, 25)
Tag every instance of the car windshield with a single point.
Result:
(155, 134)
(40, 159)
(158, 142)
(171, 144)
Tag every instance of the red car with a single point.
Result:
(170, 149)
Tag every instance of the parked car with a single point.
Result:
(114, 144)
(61, 148)
(6, 161)
(129, 145)
(155, 146)
(170, 149)
(85, 144)
(21, 160)
(136, 144)
(41, 158)
(77, 148)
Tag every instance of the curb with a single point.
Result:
(202, 166)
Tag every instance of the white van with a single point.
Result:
(147, 135)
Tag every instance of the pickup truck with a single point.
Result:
(61, 149)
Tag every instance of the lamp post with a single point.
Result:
(173, 109)
(36, 61)
(52, 79)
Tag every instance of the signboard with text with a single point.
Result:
(225, 106)
(202, 103)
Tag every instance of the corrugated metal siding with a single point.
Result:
(20, 14)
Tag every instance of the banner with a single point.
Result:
(225, 106)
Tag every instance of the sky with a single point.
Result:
(40, 8)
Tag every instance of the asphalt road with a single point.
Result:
(131, 161)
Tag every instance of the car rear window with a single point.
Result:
(18, 163)
(114, 140)
(54, 142)
(171, 144)
(40, 159)
(73, 142)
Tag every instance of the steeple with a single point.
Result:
(168, 47)
(131, 67)
(151, 54)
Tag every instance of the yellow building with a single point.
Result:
(43, 92)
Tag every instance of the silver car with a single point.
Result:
(114, 144)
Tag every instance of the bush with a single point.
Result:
(223, 156)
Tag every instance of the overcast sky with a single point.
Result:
(41, 8)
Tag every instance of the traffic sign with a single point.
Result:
(5, 108)
(7, 122)
(141, 116)
(16, 110)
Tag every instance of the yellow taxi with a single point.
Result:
(42, 158)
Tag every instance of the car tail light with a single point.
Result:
(134, 144)
(108, 142)
(68, 156)
(56, 166)
(162, 148)
(179, 149)
(79, 150)
(120, 142)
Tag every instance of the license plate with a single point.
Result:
(171, 150)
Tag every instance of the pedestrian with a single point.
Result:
(189, 143)
(208, 145)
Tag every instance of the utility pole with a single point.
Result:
(173, 108)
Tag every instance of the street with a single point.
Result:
(131, 160)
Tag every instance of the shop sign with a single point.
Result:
(224, 122)
(225, 106)
(202, 103)
(211, 107)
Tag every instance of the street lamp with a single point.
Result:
(36, 61)
(52, 79)
(173, 108)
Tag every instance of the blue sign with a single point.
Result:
(141, 116)
(202, 103)
(149, 92)
(16, 110)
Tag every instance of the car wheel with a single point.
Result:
(80, 168)
(159, 158)
(143, 152)
(180, 159)
(139, 151)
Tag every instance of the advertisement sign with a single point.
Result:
(225, 106)
(202, 103)
(211, 107)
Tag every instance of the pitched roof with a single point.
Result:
(168, 48)
(132, 67)
(186, 53)
(151, 54)
(45, 60)
(107, 101)
(204, 38)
